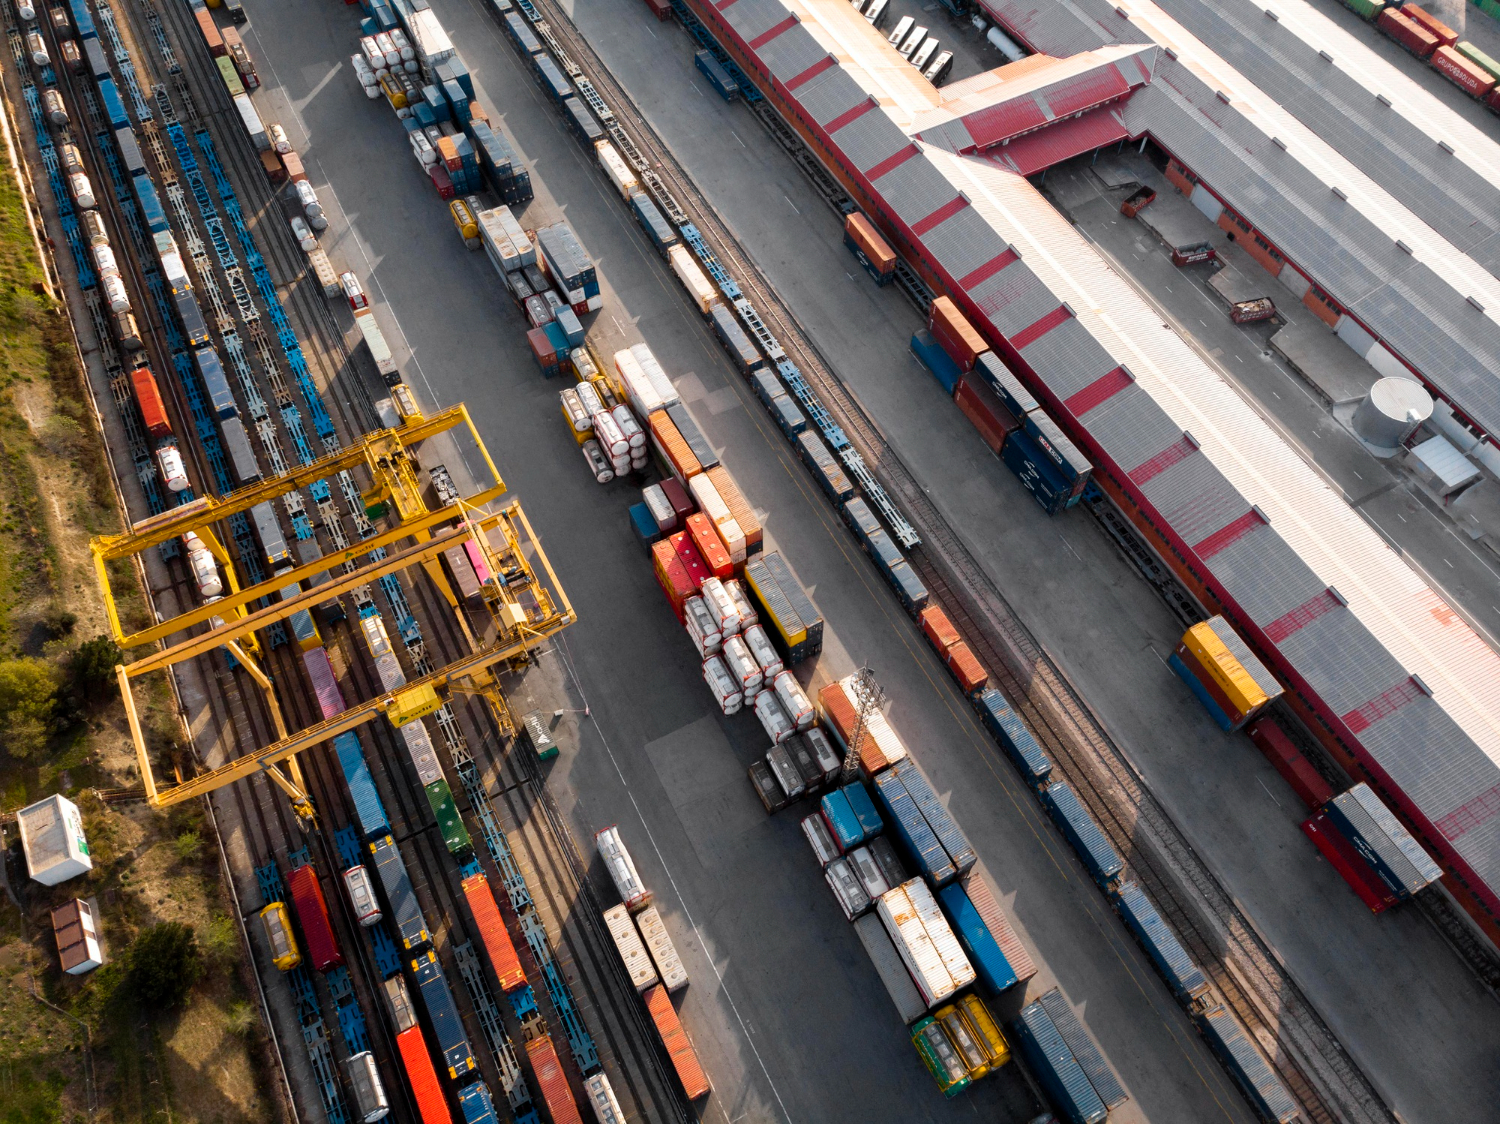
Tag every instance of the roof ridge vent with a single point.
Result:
(1279, 143)
(1270, 15)
(1446, 147)
(1325, 56)
(1341, 193)
(1222, 96)
(1383, 100)
(1475, 302)
(1402, 246)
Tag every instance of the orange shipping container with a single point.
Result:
(840, 713)
(293, 165)
(670, 444)
(210, 32)
(864, 235)
(966, 668)
(706, 539)
(497, 942)
(739, 507)
(939, 629)
(955, 334)
(275, 171)
(672, 576)
(148, 397)
(692, 561)
(1439, 30)
(985, 411)
(422, 1077)
(679, 1046)
(553, 1083)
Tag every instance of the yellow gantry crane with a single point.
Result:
(523, 606)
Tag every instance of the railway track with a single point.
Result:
(1319, 1072)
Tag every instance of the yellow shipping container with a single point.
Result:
(464, 221)
(1243, 691)
(982, 1023)
(412, 704)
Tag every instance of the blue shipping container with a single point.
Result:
(405, 914)
(114, 108)
(767, 387)
(1183, 976)
(83, 19)
(151, 210)
(863, 808)
(1362, 818)
(1267, 1095)
(909, 588)
(522, 35)
(550, 77)
(979, 943)
(1210, 704)
(741, 351)
(841, 819)
(1097, 853)
(912, 829)
(572, 327)
(949, 834)
(475, 1103)
(936, 360)
(1085, 1052)
(1007, 728)
(367, 806)
(1017, 398)
(717, 76)
(447, 1027)
(1058, 1072)
(657, 228)
(1041, 479)
(582, 119)
(454, 70)
(1053, 444)
(693, 435)
(644, 525)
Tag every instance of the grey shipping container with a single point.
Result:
(766, 787)
(521, 34)
(582, 120)
(812, 774)
(949, 834)
(567, 260)
(1267, 1094)
(657, 228)
(846, 887)
(1055, 1068)
(827, 470)
(788, 416)
(1183, 976)
(1007, 728)
(237, 445)
(549, 77)
(741, 351)
(889, 968)
(909, 588)
(889, 862)
(406, 914)
(907, 822)
(693, 435)
(801, 604)
(1361, 817)
(1085, 1051)
(1096, 851)
(1017, 398)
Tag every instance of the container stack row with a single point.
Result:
(1430, 39)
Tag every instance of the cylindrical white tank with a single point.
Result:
(279, 141)
(720, 606)
(319, 223)
(83, 191)
(589, 397)
(104, 261)
(26, 11)
(309, 199)
(201, 562)
(763, 651)
(362, 71)
(736, 590)
(387, 49)
(174, 475)
(610, 438)
(303, 234)
(1005, 45)
(37, 49)
(578, 417)
(793, 700)
(742, 665)
(402, 44)
(634, 434)
(702, 627)
(93, 228)
(772, 718)
(423, 147)
(115, 293)
(374, 56)
(729, 697)
(598, 463)
(53, 107)
(1391, 412)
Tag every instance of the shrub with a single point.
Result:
(165, 963)
(28, 695)
(92, 670)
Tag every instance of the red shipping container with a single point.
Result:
(661, 8)
(1435, 27)
(1415, 38)
(275, 171)
(672, 576)
(938, 629)
(422, 1077)
(210, 32)
(1295, 769)
(692, 561)
(679, 1046)
(293, 165)
(985, 411)
(440, 180)
(148, 397)
(677, 496)
(955, 334)
(967, 669)
(998, 924)
(1469, 77)
(497, 942)
(1493, 100)
(550, 1079)
(706, 539)
(542, 351)
(1351, 866)
(312, 916)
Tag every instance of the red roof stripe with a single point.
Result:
(1304, 614)
(852, 114)
(987, 270)
(891, 163)
(722, 4)
(1029, 335)
(1228, 535)
(940, 216)
(770, 33)
(1151, 469)
(1361, 718)
(1483, 807)
(811, 72)
(1097, 392)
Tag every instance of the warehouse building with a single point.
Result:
(1398, 687)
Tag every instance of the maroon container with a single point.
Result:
(325, 685)
(1415, 38)
(1429, 23)
(312, 916)
(1295, 769)
(543, 351)
(982, 406)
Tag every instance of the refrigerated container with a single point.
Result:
(663, 952)
(621, 867)
(628, 944)
(846, 887)
(824, 847)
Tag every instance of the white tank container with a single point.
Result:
(742, 665)
(38, 49)
(573, 409)
(422, 147)
(374, 56)
(115, 293)
(583, 363)
(93, 228)
(601, 1095)
(621, 867)
(72, 159)
(611, 440)
(26, 11)
(729, 697)
(742, 605)
(83, 191)
(631, 429)
(1005, 45)
(387, 49)
(663, 952)
(598, 463)
(794, 700)
(303, 234)
(362, 71)
(702, 630)
(720, 606)
(402, 44)
(589, 396)
(169, 460)
(632, 951)
(279, 141)
(763, 651)
(53, 107)
(824, 847)
(772, 718)
(319, 223)
(638, 387)
(201, 563)
(308, 198)
(104, 261)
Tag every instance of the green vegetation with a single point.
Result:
(165, 964)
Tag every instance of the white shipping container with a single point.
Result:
(730, 698)
(322, 269)
(252, 122)
(52, 840)
(631, 950)
(939, 932)
(773, 719)
(388, 668)
(419, 749)
(712, 505)
(657, 374)
(380, 351)
(621, 868)
(824, 754)
(763, 650)
(742, 603)
(702, 294)
(660, 507)
(638, 387)
(428, 37)
(663, 952)
(720, 606)
(617, 170)
(794, 700)
(742, 664)
(497, 241)
(910, 937)
(846, 889)
(824, 846)
(518, 236)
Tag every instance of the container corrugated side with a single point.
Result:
(312, 916)
(422, 1077)
(1096, 851)
(1266, 1092)
(888, 966)
(628, 944)
(551, 1081)
(410, 925)
(983, 899)
(912, 829)
(1085, 1050)
(990, 964)
(1007, 727)
(940, 933)
(492, 932)
(1183, 976)
(679, 1046)
(1056, 1070)
(949, 834)
(442, 1012)
(663, 952)
(909, 935)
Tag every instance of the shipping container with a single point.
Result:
(621, 868)
(403, 910)
(551, 1081)
(937, 361)
(972, 1050)
(917, 945)
(889, 967)
(276, 924)
(672, 576)
(940, 1056)
(447, 1026)
(431, 1103)
(601, 1096)
(1016, 399)
(148, 398)
(739, 508)
(841, 819)
(475, 1104)
(368, 809)
(940, 932)
(1405, 31)
(663, 952)
(699, 289)
(1363, 819)
(679, 1046)
(657, 228)
(209, 32)
(1056, 1070)
(633, 955)
(726, 87)
(582, 120)
(1058, 449)
(767, 787)
(1038, 475)
(935, 624)
(787, 630)
(891, 867)
(1435, 27)
(1485, 63)
(241, 458)
(825, 468)
(686, 426)
(1183, 976)
(1084, 1050)
(871, 250)
(742, 352)
(1267, 1095)
(312, 917)
(370, 1102)
(1007, 728)
(1078, 826)
(864, 867)
(780, 762)
(863, 808)
(1287, 760)
(954, 334)
(1468, 75)
(979, 944)
(450, 823)
(1351, 866)
(788, 416)
(673, 447)
(380, 351)
(461, 577)
(824, 846)
(985, 1030)
(912, 829)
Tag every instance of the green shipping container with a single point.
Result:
(450, 823)
(1488, 7)
(1366, 9)
(1478, 57)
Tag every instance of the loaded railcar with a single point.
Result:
(215, 383)
(423, 1078)
(368, 809)
(312, 915)
(241, 456)
(276, 923)
(447, 1027)
(113, 106)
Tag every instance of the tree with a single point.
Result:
(165, 963)
(92, 669)
(28, 693)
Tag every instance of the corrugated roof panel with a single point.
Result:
(1194, 498)
(824, 96)
(911, 189)
(1007, 119)
(1061, 141)
(750, 18)
(1013, 299)
(1131, 427)
(1265, 576)
(963, 243)
(1063, 28)
(1085, 91)
(870, 139)
(1072, 357)
(790, 54)
(1342, 660)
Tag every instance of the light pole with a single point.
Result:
(868, 698)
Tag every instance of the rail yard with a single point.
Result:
(644, 509)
